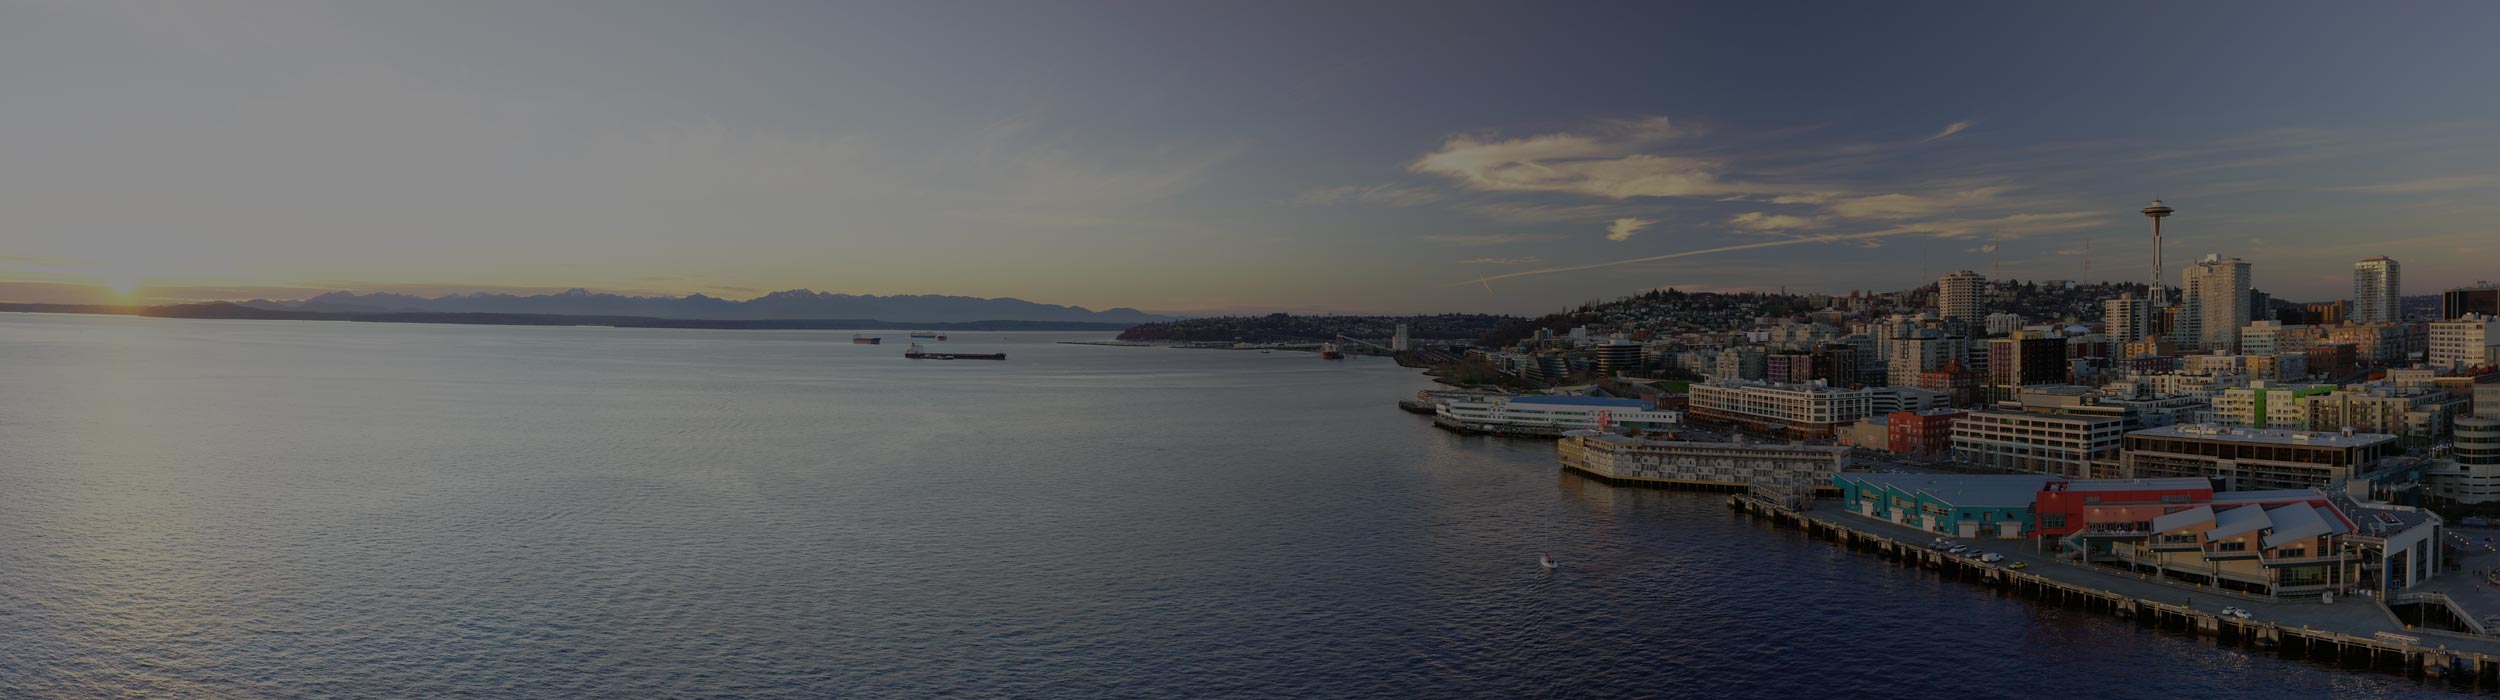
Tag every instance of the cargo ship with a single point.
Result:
(917, 353)
(1330, 352)
(926, 335)
(857, 339)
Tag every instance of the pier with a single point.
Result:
(2357, 634)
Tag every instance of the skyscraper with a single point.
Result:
(2376, 296)
(2125, 319)
(1958, 296)
(2215, 299)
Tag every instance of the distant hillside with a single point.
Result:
(795, 304)
(225, 310)
(1288, 327)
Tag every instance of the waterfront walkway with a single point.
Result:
(2358, 617)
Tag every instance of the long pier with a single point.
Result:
(2414, 654)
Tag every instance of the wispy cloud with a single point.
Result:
(1622, 229)
(1476, 240)
(1983, 250)
(1951, 129)
(1528, 260)
(2449, 183)
(1388, 195)
(1767, 223)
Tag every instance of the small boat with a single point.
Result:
(1330, 352)
(1545, 561)
(857, 339)
(926, 335)
(918, 353)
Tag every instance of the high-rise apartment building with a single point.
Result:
(1958, 296)
(2215, 303)
(2126, 319)
(2376, 295)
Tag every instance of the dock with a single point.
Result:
(2357, 634)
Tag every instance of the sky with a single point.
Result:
(1232, 157)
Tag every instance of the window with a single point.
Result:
(2292, 552)
(2053, 520)
(2231, 547)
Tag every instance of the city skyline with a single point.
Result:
(1227, 160)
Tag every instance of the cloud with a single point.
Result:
(1388, 195)
(1765, 223)
(1525, 213)
(2071, 251)
(2449, 183)
(1528, 260)
(1610, 161)
(1474, 240)
(1951, 129)
(1983, 250)
(1622, 229)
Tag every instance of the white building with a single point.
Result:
(2472, 473)
(1791, 468)
(2215, 304)
(1959, 296)
(2376, 294)
(2466, 341)
(1811, 410)
(1550, 415)
(2063, 444)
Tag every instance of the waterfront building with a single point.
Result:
(2268, 543)
(1717, 465)
(1811, 410)
(2377, 295)
(2467, 341)
(2061, 444)
(1954, 505)
(2265, 404)
(1920, 432)
(2482, 298)
(1960, 296)
(2254, 459)
(1550, 415)
(2215, 304)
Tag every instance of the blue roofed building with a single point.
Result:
(1955, 505)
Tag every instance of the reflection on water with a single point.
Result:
(334, 510)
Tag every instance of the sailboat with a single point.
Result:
(1545, 561)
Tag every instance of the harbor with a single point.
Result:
(2356, 634)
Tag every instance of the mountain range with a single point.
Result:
(782, 305)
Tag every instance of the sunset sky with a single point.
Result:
(1196, 158)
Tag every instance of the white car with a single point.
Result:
(1957, 549)
(1992, 557)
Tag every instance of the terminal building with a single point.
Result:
(1549, 416)
(1988, 506)
(2060, 444)
(2254, 459)
(1792, 469)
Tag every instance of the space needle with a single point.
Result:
(2156, 212)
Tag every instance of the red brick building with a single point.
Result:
(1929, 432)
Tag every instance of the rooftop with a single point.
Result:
(1596, 401)
(2226, 433)
(1964, 490)
(2184, 482)
(1621, 439)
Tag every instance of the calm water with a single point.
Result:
(209, 509)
